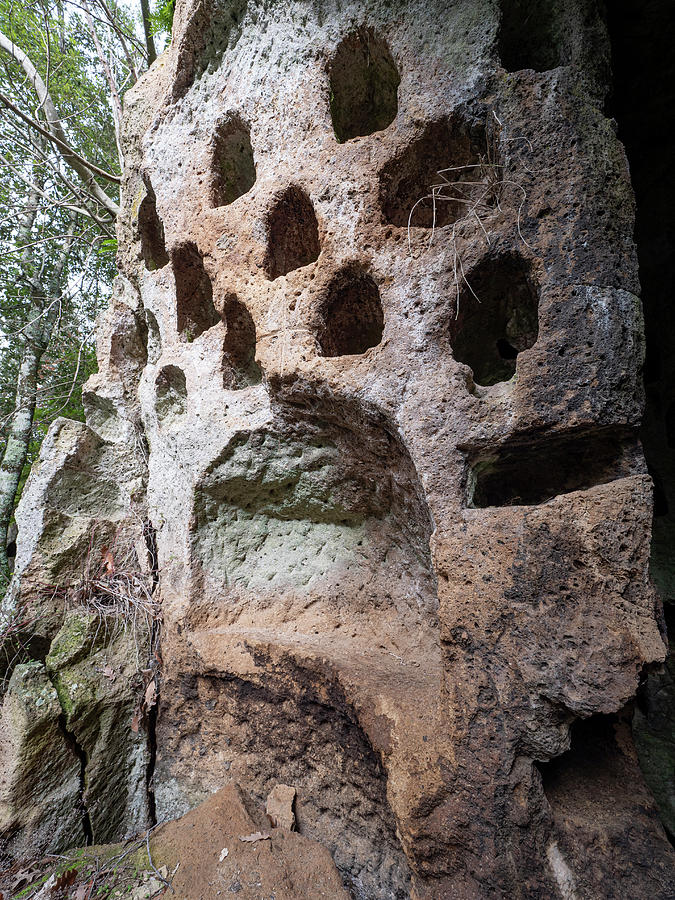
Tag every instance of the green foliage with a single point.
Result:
(57, 246)
(161, 17)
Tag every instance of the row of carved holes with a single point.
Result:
(352, 321)
(497, 317)
(363, 88)
(364, 84)
(292, 227)
(352, 317)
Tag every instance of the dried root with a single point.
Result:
(481, 195)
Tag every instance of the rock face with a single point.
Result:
(366, 425)
(226, 846)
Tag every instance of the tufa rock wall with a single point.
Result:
(366, 435)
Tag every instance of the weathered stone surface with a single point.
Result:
(279, 806)
(402, 515)
(40, 772)
(93, 664)
(207, 843)
(87, 549)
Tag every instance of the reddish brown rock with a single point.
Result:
(401, 511)
(212, 859)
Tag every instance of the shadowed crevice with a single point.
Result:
(292, 233)
(531, 471)
(364, 84)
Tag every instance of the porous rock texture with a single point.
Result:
(226, 846)
(378, 458)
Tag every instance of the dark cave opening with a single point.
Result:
(527, 38)
(642, 35)
(364, 84)
(353, 320)
(292, 233)
(497, 318)
(532, 471)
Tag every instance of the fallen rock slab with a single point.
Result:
(279, 807)
(282, 864)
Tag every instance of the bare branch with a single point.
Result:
(68, 152)
(84, 169)
(49, 200)
(123, 36)
(115, 101)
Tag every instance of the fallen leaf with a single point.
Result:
(22, 878)
(256, 836)
(108, 563)
(151, 695)
(65, 880)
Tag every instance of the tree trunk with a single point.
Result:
(34, 340)
(149, 40)
(18, 442)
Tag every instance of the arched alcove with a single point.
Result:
(151, 232)
(352, 316)
(154, 340)
(453, 147)
(232, 166)
(240, 369)
(171, 394)
(195, 312)
(364, 84)
(292, 233)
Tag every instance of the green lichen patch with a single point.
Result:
(30, 686)
(102, 871)
(80, 632)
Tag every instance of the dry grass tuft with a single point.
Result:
(482, 195)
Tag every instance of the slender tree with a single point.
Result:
(64, 67)
(147, 28)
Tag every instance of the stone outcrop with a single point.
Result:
(365, 428)
(226, 844)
